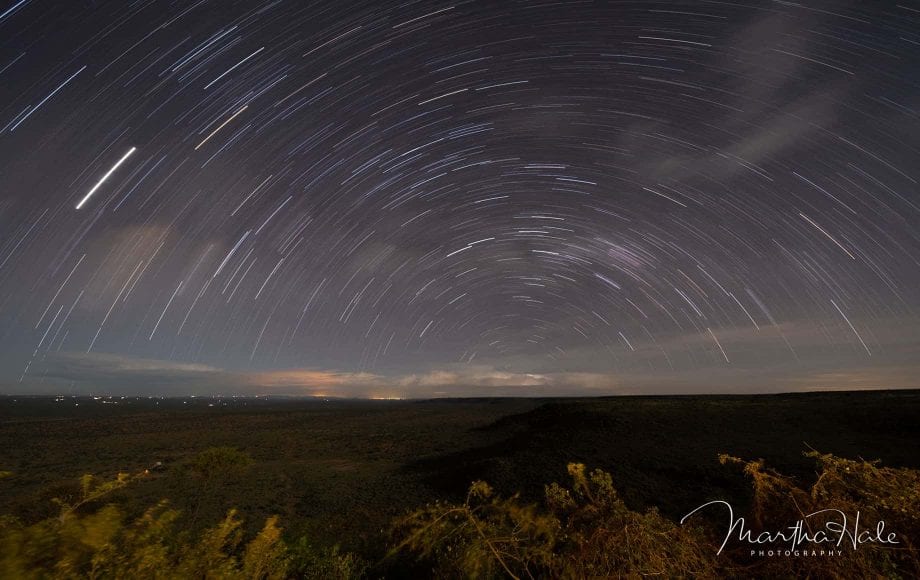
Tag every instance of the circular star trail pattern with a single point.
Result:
(623, 189)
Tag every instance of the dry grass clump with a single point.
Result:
(586, 531)
(844, 487)
(92, 539)
(580, 530)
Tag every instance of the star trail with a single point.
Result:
(428, 198)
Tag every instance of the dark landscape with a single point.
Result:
(340, 470)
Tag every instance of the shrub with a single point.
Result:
(84, 543)
(581, 530)
(311, 563)
(216, 463)
(877, 494)
(584, 531)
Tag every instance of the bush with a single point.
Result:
(311, 563)
(581, 530)
(877, 494)
(102, 545)
(586, 530)
(85, 543)
(216, 463)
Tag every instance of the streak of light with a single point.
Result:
(106, 176)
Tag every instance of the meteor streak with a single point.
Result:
(106, 176)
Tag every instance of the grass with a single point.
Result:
(341, 471)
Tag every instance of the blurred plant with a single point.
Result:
(82, 543)
(580, 530)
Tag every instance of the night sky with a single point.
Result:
(396, 199)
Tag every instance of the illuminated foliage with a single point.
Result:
(876, 494)
(586, 530)
(84, 543)
(580, 530)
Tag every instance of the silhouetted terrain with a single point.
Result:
(662, 450)
(340, 470)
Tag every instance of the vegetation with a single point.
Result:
(583, 530)
(876, 494)
(316, 489)
(586, 530)
(89, 539)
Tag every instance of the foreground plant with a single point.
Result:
(101, 544)
(859, 499)
(91, 539)
(582, 530)
(586, 530)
